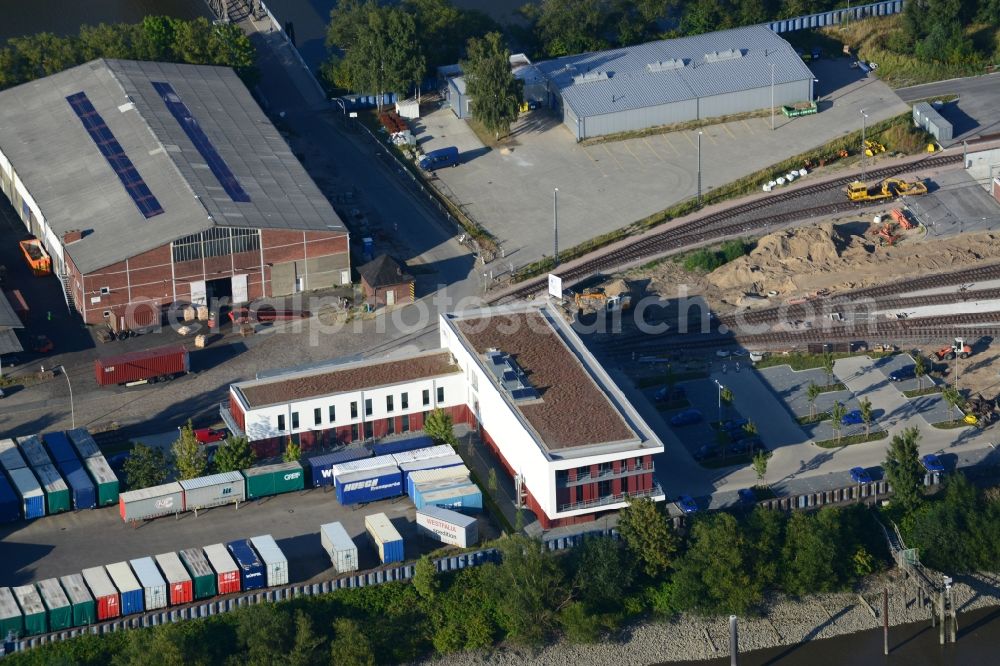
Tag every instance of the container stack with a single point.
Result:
(10, 503)
(275, 562)
(152, 502)
(213, 490)
(32, 608)
(339, 546)
(360, 465)
(387, 540)
(68, 463)
(11, 620)
(95, 464)
(31, 499)
(59, 609)
(369, 485)
(268, 480)
(402, 445)
(57, 497)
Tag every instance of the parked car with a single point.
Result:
(440, 158)
(687, 417)
(748, 445)
(209, 435)
(932, 464)
(817, 53)
(734, 424)
(706, 451)
(852, 417)
(860, 475)
(723, 353)
(748, 496)
(41, 344)
(669, 394)
(909, 372)
(686, 504)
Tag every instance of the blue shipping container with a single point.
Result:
(131, 591)
(10, 503)
(443, 462)
(84, 494)
(321, 467)
(369, 485)
(252, 573)
(400, 445)
(467, 498)
(59, 446)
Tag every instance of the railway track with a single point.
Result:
(723, 224)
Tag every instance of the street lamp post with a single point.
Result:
(772, 96)
(699, 167)
(555, 226)
(72, 408)
(864, 117)
(720, 398)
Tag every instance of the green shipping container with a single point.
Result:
(11, 619)
(84, 608)
(202, 574)
(35, 617)
(57, 497)
(274, 479)
(104, 479)
(60, 610)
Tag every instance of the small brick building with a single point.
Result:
(386, 282)
(155, 183)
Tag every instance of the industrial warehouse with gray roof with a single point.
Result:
(676, 80)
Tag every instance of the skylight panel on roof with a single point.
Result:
(179, 110)
(720, 56)
(665, 65)
(590, 77)
(112, 151)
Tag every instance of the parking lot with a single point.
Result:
(607, 186)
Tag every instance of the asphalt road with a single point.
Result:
(975, 112)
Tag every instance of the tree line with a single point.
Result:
(158, 38)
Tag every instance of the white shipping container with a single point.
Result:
(423, 454)
(411, 466)
(151, 502)
(10, 456)
(173, 569)
(360, 465)
(123, 577)
(458, 473)
(8, 606)
(214, 490)
(339, 545)
(274, 560)
(76, 589)
(29, 600)
(448, 526)
(153, 585)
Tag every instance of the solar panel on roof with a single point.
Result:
(179, 110)
(106, 142)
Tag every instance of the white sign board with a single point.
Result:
(555, 286)
(354, 114)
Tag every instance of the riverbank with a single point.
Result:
(786, 622)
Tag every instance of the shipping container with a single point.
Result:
(447, 526)
(321, 467)
(443, 462)
(213, 490)
(203, 577)
(339, 545)
(32, 497)
(104, 480)
(179, 585)
(426, 478)
(148, 365)
(227, 572)
(35, 618)
(104, 591)
(10, 455)
(81, 488)
(11, 619)
(59, 608)
(33, 451)
(253, 575)
(387, 540)
(84, 608)
(423, 454)
(360, 466)
(268, 480)
(401, 445)
(57, 497)
(275, 562)
(10, 502)
(129, 590)
(154, 588)
(467, 497)
(147, 503)
(60, 448)
(369, 485)
(84, 444)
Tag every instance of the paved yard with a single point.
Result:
(955, 204)
(974, 114)
(607, 186)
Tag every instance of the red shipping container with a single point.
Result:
(149, 364)
(226, 570)
(104, 591)
(180, 587)
(181, 593)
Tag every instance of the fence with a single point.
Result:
(836, 16)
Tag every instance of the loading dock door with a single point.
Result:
(240, 292)
(198, 293)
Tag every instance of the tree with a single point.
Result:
(956, 533)
(602, 571)
(726, 396)
(145, 466)
(491, 481)
(189, 455)
(439, 427)
(809, 561)
(750, 428)
(234, 454)
(828, 363)
(837, 413)
(812, 392)
(529, 589)
(443, 29)
(919, 369)
(495, 93)
(350, 646)
(952, 397)
(903, 470)
(264, 633)
(760, 466)
(426, 581)
(307, 648)
(865, 406)
(567, 27)
(292, 451)
(648, 535)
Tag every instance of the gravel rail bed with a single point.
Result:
(786, 622)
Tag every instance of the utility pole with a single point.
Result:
(885, 621)
(555, 225)
(772, 96)
(699, 168)
(864, 117)
(734, 642)
(720, 399)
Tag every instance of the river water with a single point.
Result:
(909, 645)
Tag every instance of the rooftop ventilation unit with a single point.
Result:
(728, 54)
(589, 77)
(665, 65)
(510, 376)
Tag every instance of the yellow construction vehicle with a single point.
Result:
(873, 147)
(887, 189)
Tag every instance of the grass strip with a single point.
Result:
(817, 418)
(852, 439)
(916, 393)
